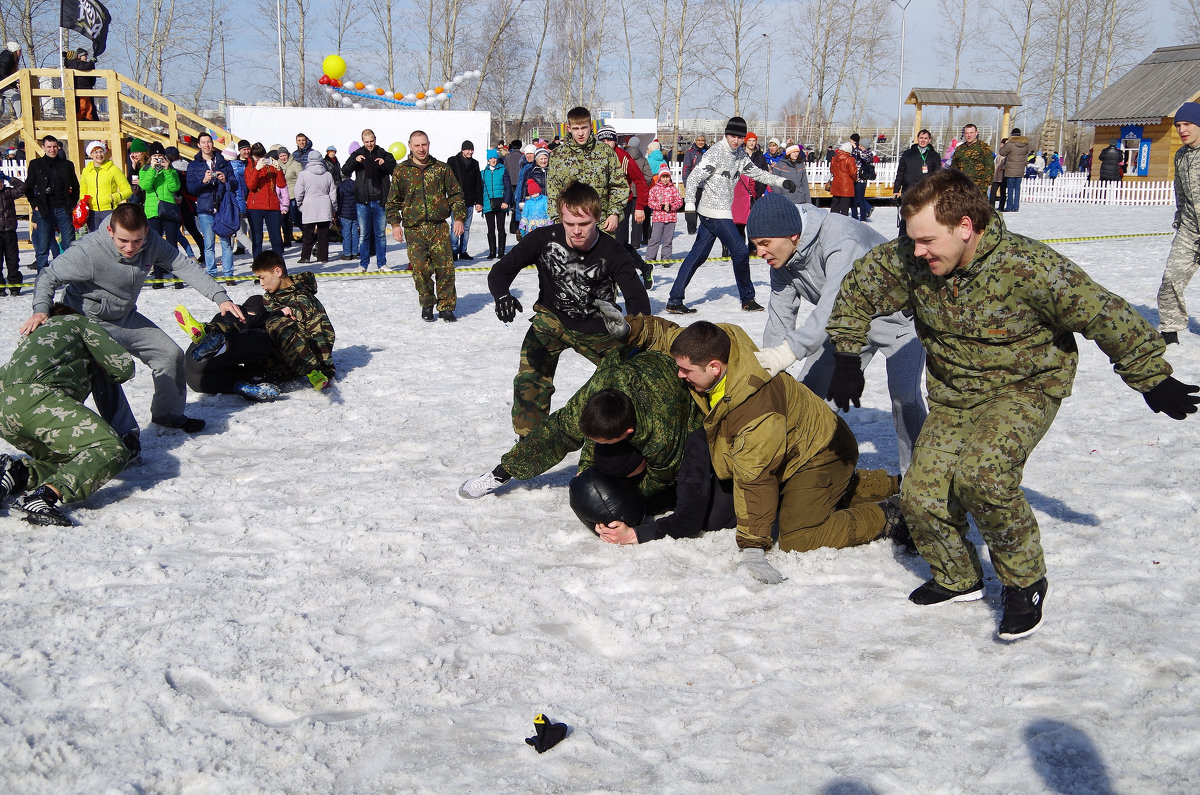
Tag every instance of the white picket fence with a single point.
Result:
(14, 168)
(1075, 188)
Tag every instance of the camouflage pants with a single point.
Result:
(1181, 266)
(534, 385)
(432, 264)
(971, 461)
(828, 503)
(296, 348)
(70, 447)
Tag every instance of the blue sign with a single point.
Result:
(1143, 167)
(1131, 131)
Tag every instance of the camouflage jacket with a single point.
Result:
(1004, 321)
(763, 431)
(1187, 189)
(59, 354)
(976, 161)
(665, 417)
(591, 163)
(308, 313)
(424, 194)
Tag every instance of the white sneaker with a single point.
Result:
(477, 487)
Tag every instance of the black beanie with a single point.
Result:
(773, 216)
(855, 137)
(736, 126)
(467, 145)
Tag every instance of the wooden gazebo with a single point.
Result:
(963, 98)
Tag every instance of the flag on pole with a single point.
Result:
(90, 18)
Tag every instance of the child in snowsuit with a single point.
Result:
(664, 202)
(347, 212)
(72, 451)
(535, 212)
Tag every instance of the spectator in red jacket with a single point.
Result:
(263, 176)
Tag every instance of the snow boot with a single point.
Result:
(1022, 609)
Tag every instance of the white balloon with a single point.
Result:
(369, 87)
(420, 103)
(356, 105)
(410, 97)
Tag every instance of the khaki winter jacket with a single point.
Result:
(761, 432)
(424, 194)
(1016, 154)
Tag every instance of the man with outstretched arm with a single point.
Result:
(103, 274)
(996, 313)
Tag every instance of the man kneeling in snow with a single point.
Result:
(643, 450)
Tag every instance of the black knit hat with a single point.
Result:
(736, 126)
(467, 145)
(773, 216)
(155, 148)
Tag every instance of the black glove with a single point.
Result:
(548, 734)
(848, 382)
(692, 218)
(507, 308)
(788, 185)
(1173, 398)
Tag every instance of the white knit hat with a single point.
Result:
(848, 146)
(12, 46)
(529, 149)
(87, 150)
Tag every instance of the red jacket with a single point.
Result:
(638, 190)
(261, 185)
(844, 169)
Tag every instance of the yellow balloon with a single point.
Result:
(334, 66)
(398, 150)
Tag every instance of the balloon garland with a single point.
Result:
(336, 84)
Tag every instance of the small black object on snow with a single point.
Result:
(549, 733)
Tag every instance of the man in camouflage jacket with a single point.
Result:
(581, 158)
(1185, 248)
(72, 451)
(997, 314)
(974, 158)
(424, 194)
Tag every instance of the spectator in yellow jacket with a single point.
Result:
(103, 184)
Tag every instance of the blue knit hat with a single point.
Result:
(1189, 112)
(773, 216)
(493, 153)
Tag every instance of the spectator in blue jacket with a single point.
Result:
(347, 211)
(207, 176)
(497, 198)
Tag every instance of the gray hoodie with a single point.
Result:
(718, 173)
(103, 286)
(828, 247)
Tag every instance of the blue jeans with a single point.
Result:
(860, 208)
(371, 223)
(271, 218)
(1013, 202)
(204, 222)
(59, 221)
(349, 237)
(712, 229)
(458, 243)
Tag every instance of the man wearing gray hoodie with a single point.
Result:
(810, 251)
(103, 274)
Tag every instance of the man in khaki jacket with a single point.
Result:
(790, 457)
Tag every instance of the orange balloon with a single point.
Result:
(420, 95)
(380, 91)
(438, 90)
(398, 95)
(360, 86)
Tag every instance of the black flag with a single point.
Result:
(90, 18)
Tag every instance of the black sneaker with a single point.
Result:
(133, 443)
(933, 594)
(895, 527)
(427, 314)
(447, 315)
(39, 508)
(678, 308)
(185, 424)
(14, 475)
(752, 306)
(1171, 337)
(1022, 609)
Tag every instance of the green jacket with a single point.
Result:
(760, 433)
(665, 417)
(1004, 321)
(59, 353)
(977, 162)
(592, 163)
(424, 194)
(160, 184)
(308, 313)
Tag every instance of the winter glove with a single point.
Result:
(848, 382)
(1173, 398)
(614, 321)
(691, 217)
(789, 186)
(507, 308)
(776, 360)
(548, 734)
(754, 560)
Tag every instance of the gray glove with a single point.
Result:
(776, 360)
(614, 321)
(754, 560)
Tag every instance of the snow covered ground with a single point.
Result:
(296, 601)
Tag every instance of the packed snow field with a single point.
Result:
(295, 600)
